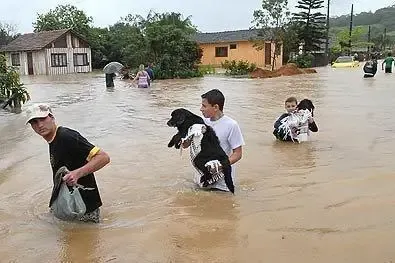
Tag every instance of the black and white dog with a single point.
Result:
(307, 104)
(210, 148)
(294, 126)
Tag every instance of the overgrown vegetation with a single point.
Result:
(162, 39)
(303, 61)
(206, 69)
(311, 24)
(382, 25)
(271, 21)
(237, 68)
(12, 91)
(7, 33)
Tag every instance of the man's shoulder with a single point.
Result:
(67, 133)
(64, 131)
(230, 121)
(282, 116)
(224, 121)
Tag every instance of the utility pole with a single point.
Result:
(369, 42)
(327, 34)
(349, 41)
(384, 38)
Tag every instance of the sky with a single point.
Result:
(207, 15)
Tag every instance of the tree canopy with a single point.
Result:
(160, 38)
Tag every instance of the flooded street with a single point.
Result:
(328, 200)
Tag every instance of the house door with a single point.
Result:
(30, 63)
(268, 54)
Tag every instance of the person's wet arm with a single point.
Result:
(236, 155)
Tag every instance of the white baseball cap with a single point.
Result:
(38, 110)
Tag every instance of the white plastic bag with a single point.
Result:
(66, 202)
(69, 204)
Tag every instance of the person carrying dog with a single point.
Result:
(227, 131)
(295, 125)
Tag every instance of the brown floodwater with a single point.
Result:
(328, 200)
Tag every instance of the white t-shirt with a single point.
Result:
(230, 137)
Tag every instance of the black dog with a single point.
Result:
(210, 146)
(307, 104)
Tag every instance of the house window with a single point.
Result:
(15, 59)
(58, 60)
(81, 59)
(232, 46)
(221, 51)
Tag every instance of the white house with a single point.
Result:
(49, 53)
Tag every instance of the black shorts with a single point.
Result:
(388, 70)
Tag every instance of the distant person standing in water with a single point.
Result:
(388, 63)
(110, 80)
(370, 67)
(150, 71)
(142, 77)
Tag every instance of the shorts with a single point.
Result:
(142, 86)
(93, 216)
(388, 70)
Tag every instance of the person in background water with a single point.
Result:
(69, 148)
(388, 63)
(150, 71)
(370, 67)
(110, 80)
(142, 77)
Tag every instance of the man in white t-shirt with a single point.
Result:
(227, 130)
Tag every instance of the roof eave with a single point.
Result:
(21, 50)
(228, 41)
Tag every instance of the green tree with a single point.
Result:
(64, 17)
(271, 21)
(291, 40)
(12, 91)
(175, 19)
(358, 40)
(98, 39)
(311, 24)
(126, 44)
(166, 40)
(7, 33)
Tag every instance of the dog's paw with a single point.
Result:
(178, 145)
(204, 179)
(214, 166)
(170, 144)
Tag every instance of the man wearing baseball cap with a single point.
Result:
(69, 148)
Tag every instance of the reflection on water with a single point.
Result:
(79, 245)
(322, 201)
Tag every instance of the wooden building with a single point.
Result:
(49, 53)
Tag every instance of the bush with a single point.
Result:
(10, 86)
(236, 68)
(181, 74)
(303, 61)
(206, 69)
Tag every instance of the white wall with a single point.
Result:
(70, 68)
(23, 62)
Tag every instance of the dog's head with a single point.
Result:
(178, 117)
(306, 104)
